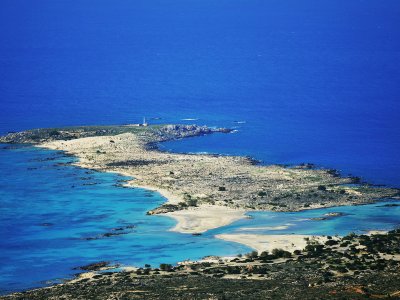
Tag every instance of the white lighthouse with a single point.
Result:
(144, 122)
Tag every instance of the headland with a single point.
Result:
(203, 191)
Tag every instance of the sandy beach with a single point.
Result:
(203, 218)
(260, 242)
(202, 191)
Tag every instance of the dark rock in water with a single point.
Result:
(113, 232)
(118, 185)
(117, 229)
(306, 166)
(91, 238)
(180, 131)
(318, 219)
(328, 216)
(43, 159)
(225, 130)
(123, 228)
(14, 147)
(355, 179)
(196, 234)
(104, 235)
(94, 267)
(333, 172)
(90, 183)
(389, 205)
(63, 164)
(123, 180)
(334, 214)
(110, 234)
(253, 161)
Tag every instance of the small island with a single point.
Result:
(206, 191)
(203, 191)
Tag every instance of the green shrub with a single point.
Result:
(252, 254)
(315, 249)
(146, 271)
(191, 202)
(165, 267)
(280, 253)
(331, 242)
(54, 133)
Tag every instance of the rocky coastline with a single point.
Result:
(190, 181)
(350, 267)
(202, 191)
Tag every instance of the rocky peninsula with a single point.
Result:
(203, 191)
(208, 191)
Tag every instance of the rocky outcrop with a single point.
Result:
(152, 134)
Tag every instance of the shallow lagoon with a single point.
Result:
(49, 210)
(383, 215)
(53, 216)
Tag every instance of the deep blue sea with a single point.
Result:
(315, 80)
(302, 81)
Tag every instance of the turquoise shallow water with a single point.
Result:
(49, 210)
(315, 80)
(359, 219)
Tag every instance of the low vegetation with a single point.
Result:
(352, 267)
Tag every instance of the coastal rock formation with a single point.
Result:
(153, 133)
(196, 180)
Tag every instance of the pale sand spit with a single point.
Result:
(203, 218)
(260, 242)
